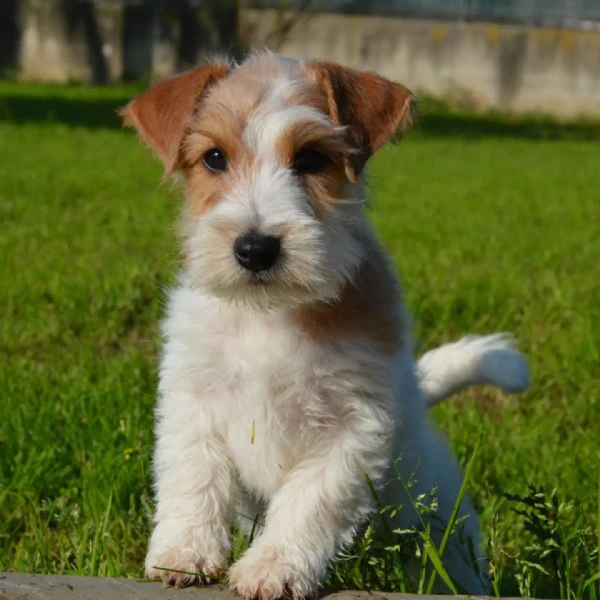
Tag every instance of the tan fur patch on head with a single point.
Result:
(162, 113)
(373, 108)
(327, 184)
(221, 131)
(220, 123)
(204, 188)
(369, 307)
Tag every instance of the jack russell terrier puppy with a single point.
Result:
(287, 376)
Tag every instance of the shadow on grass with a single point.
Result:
(471, 126)
(435, 121)
(92, 113)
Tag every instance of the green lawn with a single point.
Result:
(494, 224)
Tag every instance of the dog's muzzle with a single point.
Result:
(256, 252)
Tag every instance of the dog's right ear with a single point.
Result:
(161, 114)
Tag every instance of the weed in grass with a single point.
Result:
(559, 553)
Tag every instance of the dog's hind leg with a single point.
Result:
(423, 490)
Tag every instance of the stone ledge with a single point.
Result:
(21, 586)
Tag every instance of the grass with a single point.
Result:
(493, 224)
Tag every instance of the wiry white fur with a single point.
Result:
(489, 360)
(320, 253)
(266, 126)
(253, 412)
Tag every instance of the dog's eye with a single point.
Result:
(308, 160)
(215, 160)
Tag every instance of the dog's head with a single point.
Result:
(272, 152)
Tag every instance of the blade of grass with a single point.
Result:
(98, 537)
(429, 550)
(454, 514)
(591, 580)
(212, 578)
(595, 589)
(380, 510)
(388, 533)
(424, 558)
(436, 561)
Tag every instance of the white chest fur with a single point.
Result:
(261, 383)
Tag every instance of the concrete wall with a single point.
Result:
(81, 44)
(484, 65)
(63, 40)
(509, 67)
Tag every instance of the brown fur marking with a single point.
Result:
(325, 186)
(162, 113)
(369, 306)
(373, 108)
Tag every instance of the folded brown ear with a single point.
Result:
(162, 113)
(373, 108)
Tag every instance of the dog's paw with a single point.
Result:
(181, 567)
(267, 576)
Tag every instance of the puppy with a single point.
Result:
(287, 376)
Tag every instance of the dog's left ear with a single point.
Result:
(161, 114)
(373, 108)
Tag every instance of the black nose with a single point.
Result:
(256, 252)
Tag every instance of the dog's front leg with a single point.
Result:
(315, 512)
(194, 489)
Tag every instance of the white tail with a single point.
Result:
(473, 360)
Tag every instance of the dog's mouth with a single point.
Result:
(259, 281)
(276, 287)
